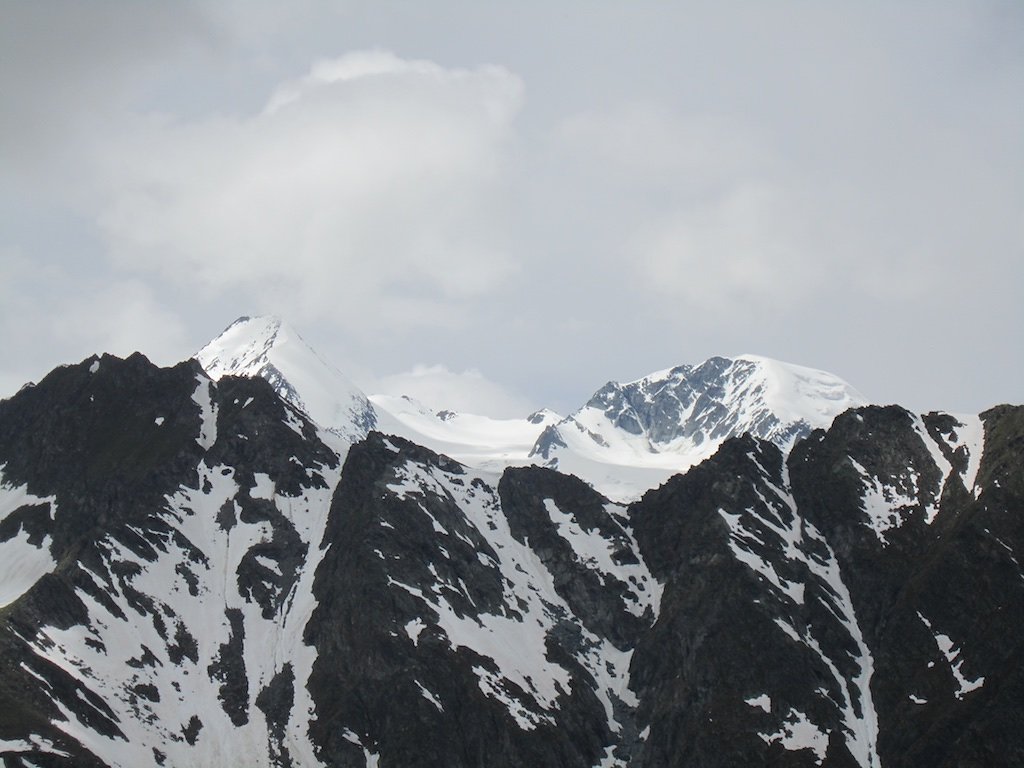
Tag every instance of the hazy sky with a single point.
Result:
(523, 199)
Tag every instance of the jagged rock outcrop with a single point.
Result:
(172, 521)
(462, 601)
(858, 603)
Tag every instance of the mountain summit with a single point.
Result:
(633, 436)
(266, 347)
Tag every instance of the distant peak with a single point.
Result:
(267, 323)
(542, 415)
(744, 364)
(265, 346)
(768, 363)
(662, 375)
(242, 348)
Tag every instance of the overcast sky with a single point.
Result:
(522, 199)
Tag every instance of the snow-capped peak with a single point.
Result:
(722, 397)
(669, 420)
(266, 347)
(243, 348)
(795, 393)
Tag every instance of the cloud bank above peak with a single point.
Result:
(557, 199)
(368, 178)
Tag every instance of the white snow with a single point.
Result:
(208, 412)
(35, 743)
(940, 461)
(372, 760)
(619, 475)
(618, 464)
(515, 646)
(269, 563)
(516, 672)
(480, 442)
(952, 653)
(966, 436)
(739, 542)
(610, 458)
(789, 630)
(609, 760)
(796, 393)
(861, 726)
(159, 421)
(263, 488)
(797, 733)
(429, 696)
(22, 564)
(413, 629)
(971, 436)
(886, 506)
(594, 551)
(764, 701)
(95, 366)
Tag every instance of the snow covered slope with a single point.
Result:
(476, 441)
(266, 347)
(634, 436)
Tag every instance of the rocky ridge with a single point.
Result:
(197, 573)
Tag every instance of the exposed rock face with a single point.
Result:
(173, 518)
(460, 601)
(194, 573)
(846, 612)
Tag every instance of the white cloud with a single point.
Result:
(711, 180)
(363, 184)
(468, 391)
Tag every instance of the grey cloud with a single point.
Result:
(637, 185)
(369, 173)
(67, 67)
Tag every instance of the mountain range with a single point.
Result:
(626, 439)
(244, 560)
